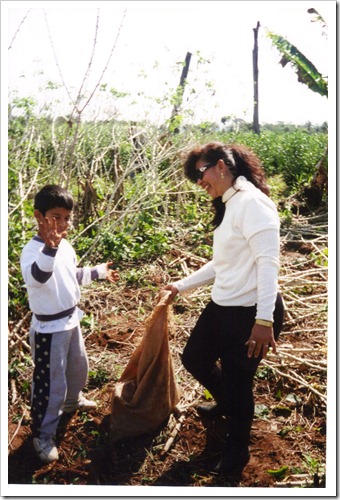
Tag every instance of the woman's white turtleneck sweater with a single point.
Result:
(245, 264)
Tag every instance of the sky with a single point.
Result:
(142, 45)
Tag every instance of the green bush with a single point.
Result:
(137, 214)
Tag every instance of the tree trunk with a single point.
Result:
(179, 94)
(256, 125)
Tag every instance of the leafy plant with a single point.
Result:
(282, 410)
(312, 464)
(305, 69)
(207, 394)
(321, 259)
(279, 474)
(98, 378)
(132, 200)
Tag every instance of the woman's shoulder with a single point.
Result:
(251, 194)
(255, 209)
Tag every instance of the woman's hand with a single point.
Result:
(112, 274)
(261, 339)
(173, 290)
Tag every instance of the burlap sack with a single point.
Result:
(147, 392)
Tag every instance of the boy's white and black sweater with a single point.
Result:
(53, 284)
(245, 265)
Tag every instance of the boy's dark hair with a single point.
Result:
(52, 196)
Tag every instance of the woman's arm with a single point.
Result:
(204, 276)
(265, 247)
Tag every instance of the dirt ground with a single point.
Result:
(289, 430)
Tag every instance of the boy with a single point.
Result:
(48, 264)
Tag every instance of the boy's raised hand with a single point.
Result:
(112, 274)
(48, 231)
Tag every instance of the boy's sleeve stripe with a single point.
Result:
(85, 275)
(79, 275)
(51, 252)
(38, 274)
(94, 274)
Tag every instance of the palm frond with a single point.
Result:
(304, 68)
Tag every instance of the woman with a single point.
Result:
(245, 315)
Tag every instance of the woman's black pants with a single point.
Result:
(220, 335)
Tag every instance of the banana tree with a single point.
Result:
(307, 74)
(304, 68)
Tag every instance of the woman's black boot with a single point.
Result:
(235, 454)
(234, 458)
(216, 389)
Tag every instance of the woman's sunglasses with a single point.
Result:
(199, 172)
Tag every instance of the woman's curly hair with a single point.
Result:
(240, 161)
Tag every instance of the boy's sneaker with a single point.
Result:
(82, 405)
(46, 449)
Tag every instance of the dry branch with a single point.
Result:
(24, 414)
(182, 407)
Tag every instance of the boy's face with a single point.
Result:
(61, 215)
